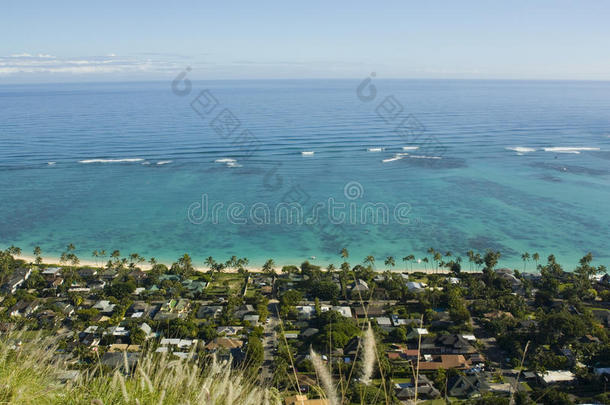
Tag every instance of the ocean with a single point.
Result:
(297, 169)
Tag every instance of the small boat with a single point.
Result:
(308, 153)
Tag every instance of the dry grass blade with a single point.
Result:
(325, 378)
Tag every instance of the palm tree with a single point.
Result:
(71, 248)
(431, 251)
(74, 260)
(115, 256)
(102, 254)
(536, 257)
(389, 261)
(210, 262)
(370, 260)
(268, 267)
(525, 257)
(186, 264)
(14, 250)
(406, 259)
(218, 267)
(152, 261)
(232, 262)
(410, 259)
(330, 268)
(437, 259)
(478, 260)
(470, 255)
(38, 254)
(95, 254)
(344, 253)
(425, 260)
(133, 257)
(242, 263)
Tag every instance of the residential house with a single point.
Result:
(117, 361)
(64, 307)
(369, 310)
(224, 343)
(467, 386)
(343, 310)
(302, 400)
(445, 361)
(359, 286)
(16, 280)
(104, 306)
(87, 272)
(51, 273)
(416, 333)
(447, 344)
(556, 376)
(252, 319)
(229, 330)
(24, 308)
(416, 286)
(209, 311)
(425, 390)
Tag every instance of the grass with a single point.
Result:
(29, 375)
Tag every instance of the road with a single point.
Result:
(269, 342)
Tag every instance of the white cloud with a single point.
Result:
(25, 63)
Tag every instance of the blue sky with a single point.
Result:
(150, 40)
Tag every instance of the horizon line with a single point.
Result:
(304, 79)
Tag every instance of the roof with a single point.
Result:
(555, 376)
(444, 361)
(383, 321)
(225, 343)
(117, 360)
(302, 400)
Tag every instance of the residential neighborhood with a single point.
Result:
(477, 337)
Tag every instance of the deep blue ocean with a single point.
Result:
(456, 165)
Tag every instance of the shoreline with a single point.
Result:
(50, 260)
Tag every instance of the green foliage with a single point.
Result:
(334, 328)
(254, 352)
(120, 290)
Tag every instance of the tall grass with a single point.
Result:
(28, 375)
(28, 370)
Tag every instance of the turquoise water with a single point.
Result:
(470, 192)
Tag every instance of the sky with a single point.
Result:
(62, 41)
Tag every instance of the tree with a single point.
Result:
(344, 253)
(437, 259)
(470, 255)
(37, 255)
(525, 257)
(389, 261)
(370, 260)
(14, 250)
(242, 262)
(184, 265)
(491, 259)
(268, 267)
(136, 335)
(288, 301)
(210, 262)
(254, 353)
(536, 257)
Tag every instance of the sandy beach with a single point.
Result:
(254, 269)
